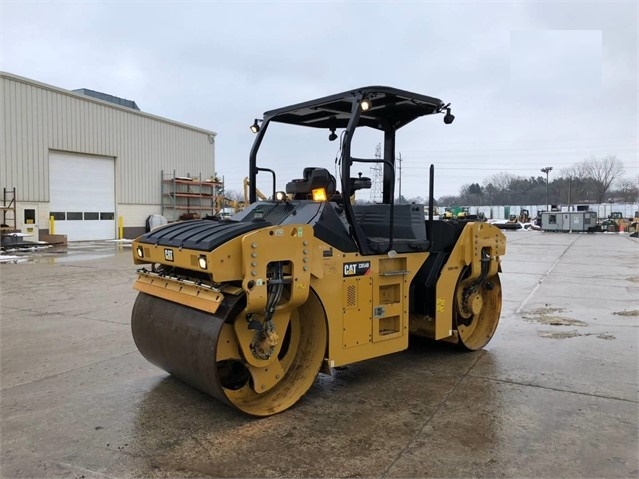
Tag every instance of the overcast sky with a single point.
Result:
(532, 84)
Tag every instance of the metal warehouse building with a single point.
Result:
(87, 161)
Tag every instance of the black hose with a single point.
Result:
(274, 290)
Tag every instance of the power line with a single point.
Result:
(536, 142)
(505, 169)
(473, 154)
(631, 147)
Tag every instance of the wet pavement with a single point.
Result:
(555, 393)
(78, 251)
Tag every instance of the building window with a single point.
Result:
(552, 219)
(58, 215)
(74, 216)
(91, 216)
(107, 216)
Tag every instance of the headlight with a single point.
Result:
(140, 252)
(202, 261)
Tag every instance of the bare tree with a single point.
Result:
(501, 181)
(587, 181)
(490, 192)
(448, 200)
(628, 188)
(578, 171)
(603, 172)
(234, 195)
(581, 185)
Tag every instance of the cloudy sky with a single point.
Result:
(532, 83)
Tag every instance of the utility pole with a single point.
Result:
(399, 160)
(547, 170)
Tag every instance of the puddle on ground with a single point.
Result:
(78, 251)
(548, 316)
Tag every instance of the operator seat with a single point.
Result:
(409, 227)
(314, 178)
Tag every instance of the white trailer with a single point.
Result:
(569, 221)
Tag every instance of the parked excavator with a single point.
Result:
(465, 214)
(633, 227)
(251, 309)
(524, 216)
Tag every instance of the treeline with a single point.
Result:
(595, 180)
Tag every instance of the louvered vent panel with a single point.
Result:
(351, 296)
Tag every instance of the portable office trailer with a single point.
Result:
(551, 221)
(576, 221)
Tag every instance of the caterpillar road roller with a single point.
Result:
(252, 308)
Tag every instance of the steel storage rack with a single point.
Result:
(188, 197)
(8, 209)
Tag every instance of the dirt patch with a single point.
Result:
(633, 279)
(558, 334)
(547, 316)
(632, 312)
(606, 336)
(545, 310)
(572, 334)
(559, 321)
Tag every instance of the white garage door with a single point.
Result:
(82, 195)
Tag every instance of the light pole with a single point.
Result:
(570, 193)
(547, 170)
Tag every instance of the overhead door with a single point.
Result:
(82, 195)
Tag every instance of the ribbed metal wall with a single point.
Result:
(36, 118)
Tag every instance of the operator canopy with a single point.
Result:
(382, 108)
(387, 107)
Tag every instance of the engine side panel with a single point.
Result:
(365, 299)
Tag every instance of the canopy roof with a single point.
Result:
(389, 105)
